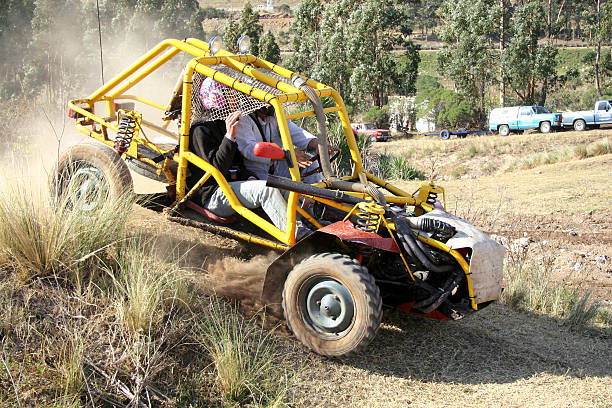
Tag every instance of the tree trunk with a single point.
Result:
(598, 55)
(502, 45)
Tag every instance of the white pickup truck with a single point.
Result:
(582, 120)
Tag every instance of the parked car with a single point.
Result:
(370, 130)
(601, 115)
(504, 120)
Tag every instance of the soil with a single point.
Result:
(497, 357)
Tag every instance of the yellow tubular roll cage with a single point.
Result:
(97, 126)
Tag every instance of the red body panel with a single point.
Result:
(345, 230)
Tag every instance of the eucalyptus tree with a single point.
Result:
(529, 66)
(467, 29)
(306, 35)
(598, 26)
(377, 26)
(268, 48)
(248, 24)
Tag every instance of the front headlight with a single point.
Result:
(244, 44)
(215, 44)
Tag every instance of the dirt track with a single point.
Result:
(497, 357)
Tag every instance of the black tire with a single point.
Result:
(93, 169)
(145, 169)
(444, 134)
(579, 125)
(337, 282)
(545, 127)
(503, 130)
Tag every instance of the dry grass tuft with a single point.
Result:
(249, 368)
(145, 288)
(39, 239)
(531, 285)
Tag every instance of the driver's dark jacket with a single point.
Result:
(207, 140)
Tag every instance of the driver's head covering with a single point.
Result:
(212, 94)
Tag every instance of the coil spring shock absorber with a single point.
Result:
(129, 123)
(432, 196)
(428, 193)
(369, 215)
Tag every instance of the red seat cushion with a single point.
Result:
(209, 215)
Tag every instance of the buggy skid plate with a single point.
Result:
(486, 259)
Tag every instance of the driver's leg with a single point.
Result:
(252, 194)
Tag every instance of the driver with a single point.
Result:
(217, 142)
(262, 126)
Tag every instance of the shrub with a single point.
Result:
(398, 168)
(599, 148)
(380, 116)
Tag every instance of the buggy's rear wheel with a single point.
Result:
(332, 304)
(89, 173)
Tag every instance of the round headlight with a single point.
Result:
(215, 44)
(244, 43)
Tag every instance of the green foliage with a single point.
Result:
(465, 57)
(247, 24)
(526, 64)
(51, 46)
(284, 8)
(348, 44)
(427, 83)
(369, 43)
(305, 38)
(448, 109)
(380, 116)
(268, 48)
(398, 168)
(15, 33)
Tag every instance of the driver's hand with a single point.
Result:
(333, 149)
(231, 123)
(304, 159)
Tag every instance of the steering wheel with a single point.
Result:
(318, 168)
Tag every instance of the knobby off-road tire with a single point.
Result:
(503, 130)
(332, 304)
(94, 172)
(145, 169)
(545, 127)
(579, 125)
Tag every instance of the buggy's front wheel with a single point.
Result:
(332, 304)
(88, 174)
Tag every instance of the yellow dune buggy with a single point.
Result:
(375, 246)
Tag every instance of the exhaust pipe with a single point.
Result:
(317, 106)
(323, 148)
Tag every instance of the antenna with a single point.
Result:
(100, 38)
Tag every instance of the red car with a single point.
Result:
(370, 130)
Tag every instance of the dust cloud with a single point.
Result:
(242, 281)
